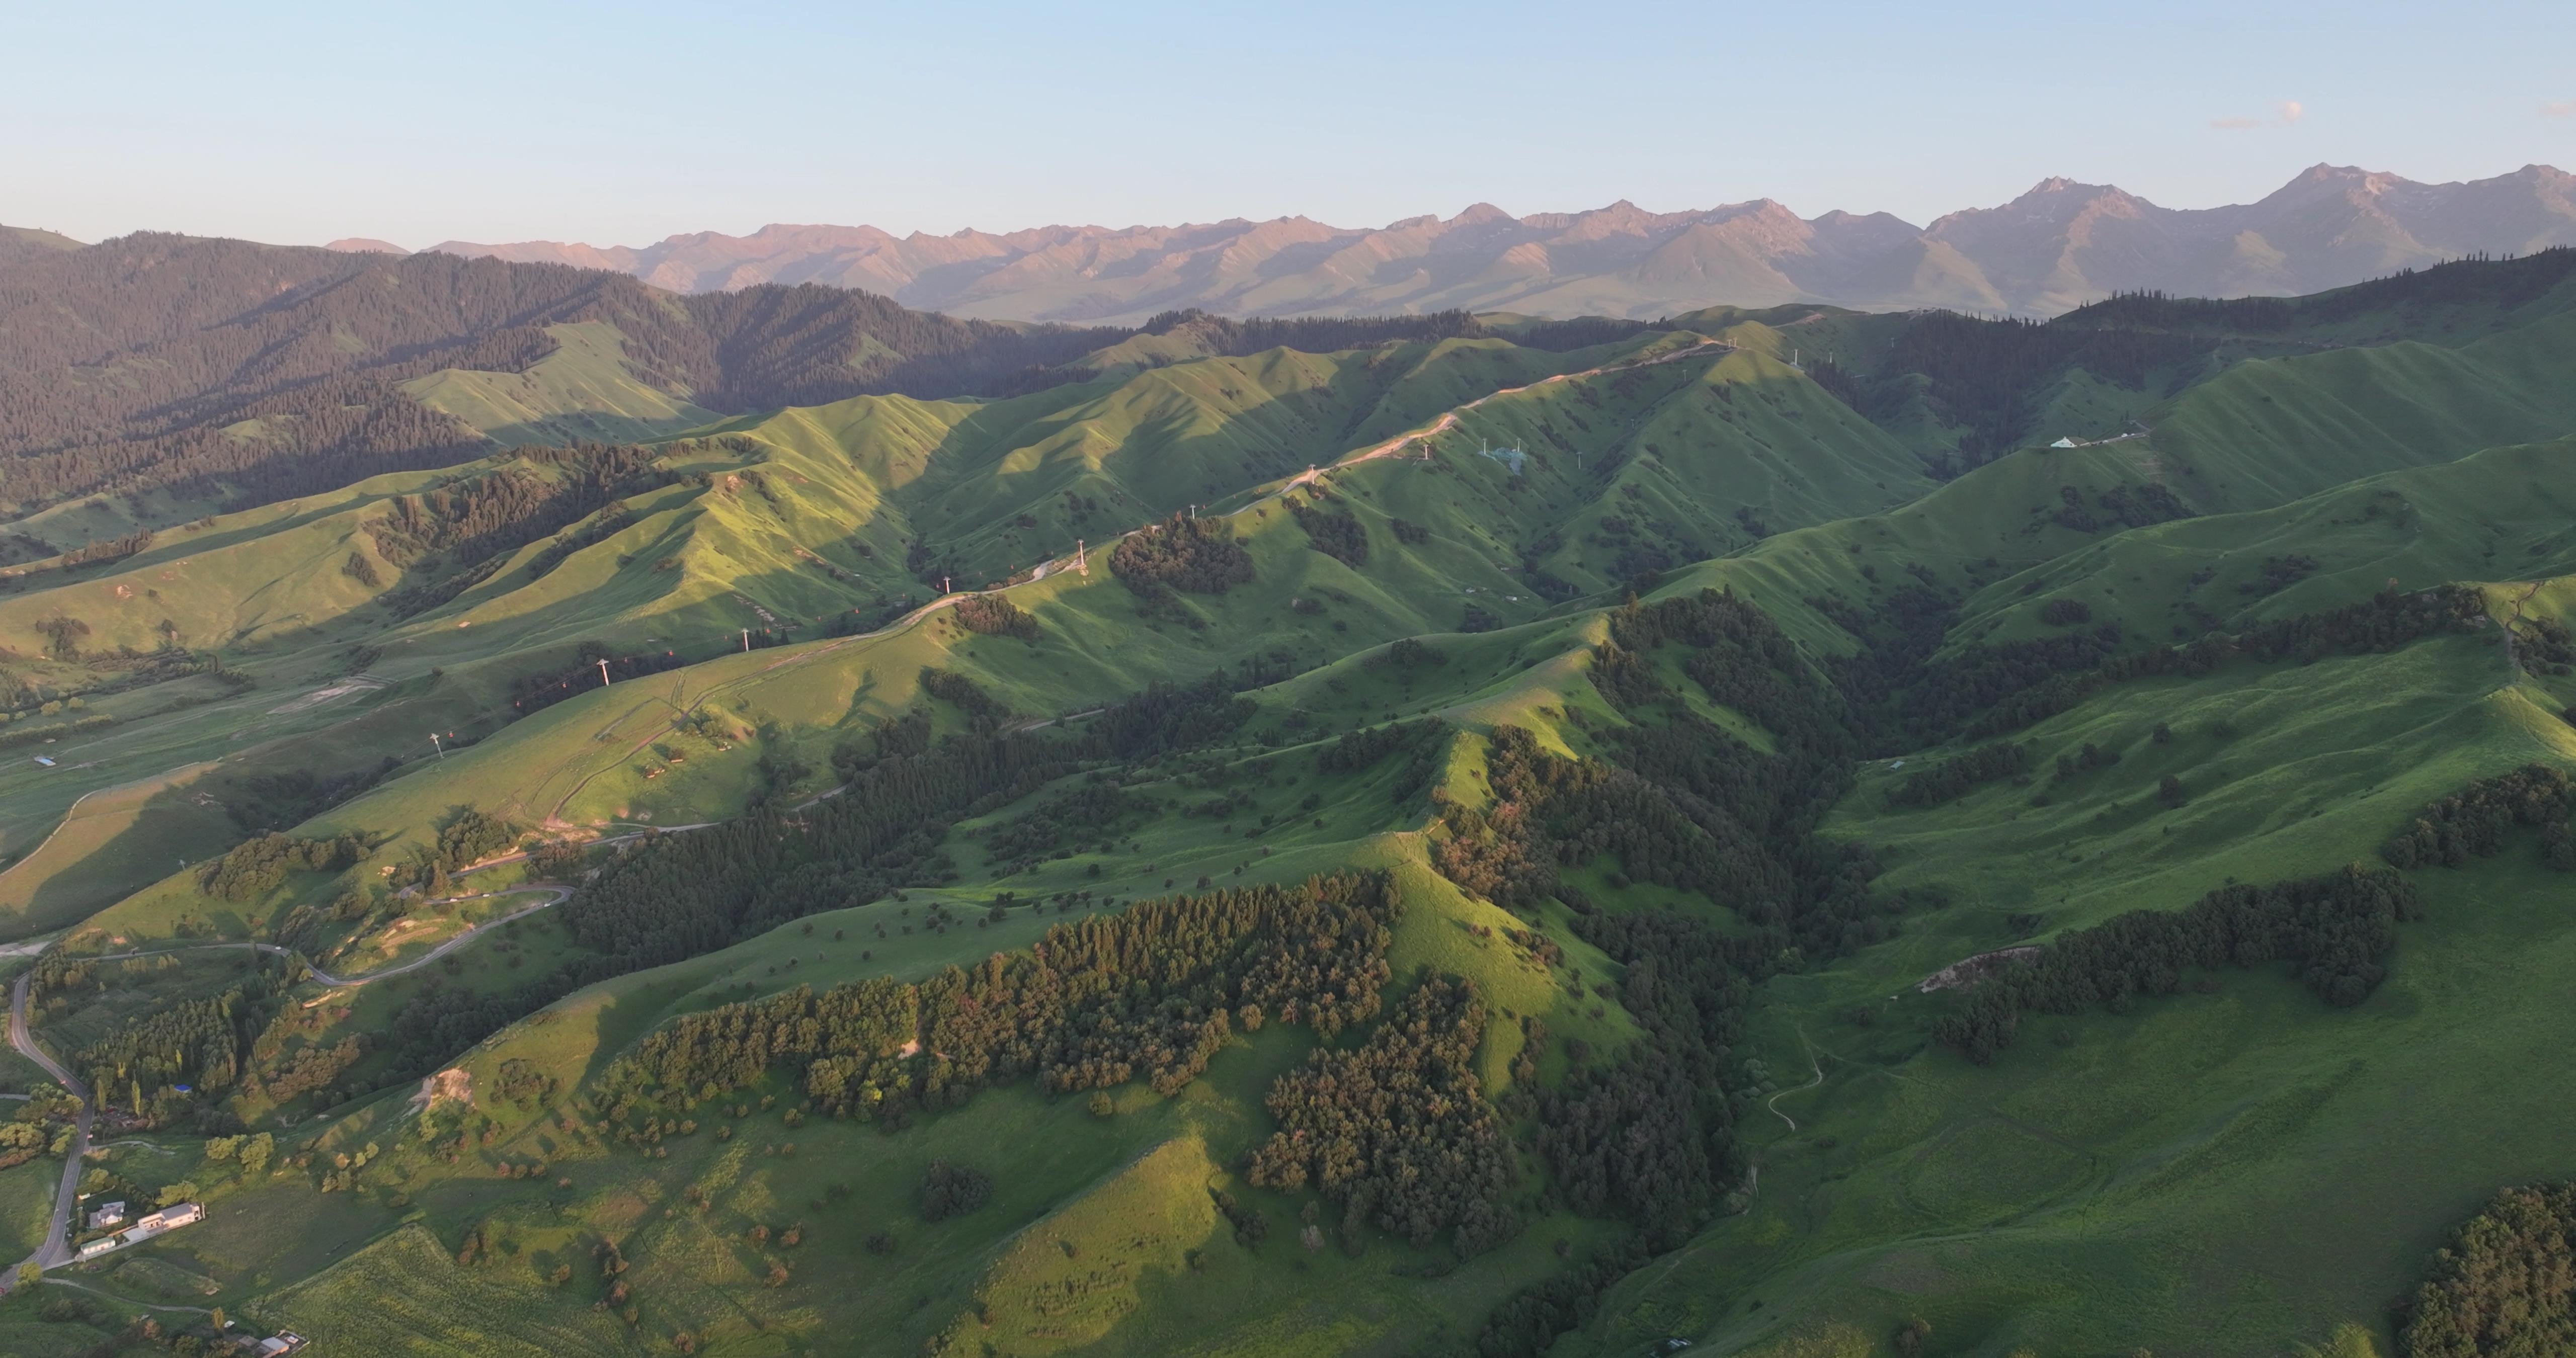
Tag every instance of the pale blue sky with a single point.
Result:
(622, 123)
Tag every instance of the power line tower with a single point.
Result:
(746, 639)
(603, 671)
(1081, 559)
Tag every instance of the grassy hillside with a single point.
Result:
(1542, 817)
(583, 391)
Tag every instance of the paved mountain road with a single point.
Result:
(57, 1247)
(56, 1251)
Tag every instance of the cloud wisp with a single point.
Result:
(2284, 114)
(2564, 108)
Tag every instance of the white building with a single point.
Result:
(168, 1219)
(108, 1214)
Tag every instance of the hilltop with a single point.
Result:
(2058, 246)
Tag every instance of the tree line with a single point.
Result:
(1150, 992)
(670, 897)
(255, 867)
(1907, 696)
(2474, 821)
(2334, 933)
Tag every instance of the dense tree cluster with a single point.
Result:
(1193, 555)
(203, 1044)
(477, 519)
(107, 549)
(258, 866)
(1989, 375)
(671, 897)
(1090, 814)
(2334, 931)
(468, 837)
(2473, 821)
(1953, 777)
(2505, 1287)
(1366, 746)
(608, 521)
(1650, 1135)
(1679, 801)
(985, 711)
(1397, 1130)
(1634, 1138)
(2382, 623)
(1336, 533)
(1168, 717)
(995, 616)
(2138, 506)
(952, 1190)
(1527, 1324)
(1149, 992)
(433, 1026)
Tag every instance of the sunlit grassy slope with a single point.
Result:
(584, 390)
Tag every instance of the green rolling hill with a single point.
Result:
(1475, 854)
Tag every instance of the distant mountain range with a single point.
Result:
(2056, 247)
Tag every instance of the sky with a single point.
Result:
(624, 123)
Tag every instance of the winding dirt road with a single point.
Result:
(1773, 1103)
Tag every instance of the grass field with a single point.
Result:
(2229, 1173)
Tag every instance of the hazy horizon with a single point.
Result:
(622, 126)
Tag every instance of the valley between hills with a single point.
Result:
(579, 819)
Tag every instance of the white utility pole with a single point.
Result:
(603, 672)
(433, 744)
(746, 639)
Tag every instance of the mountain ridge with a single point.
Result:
(2057, 246)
